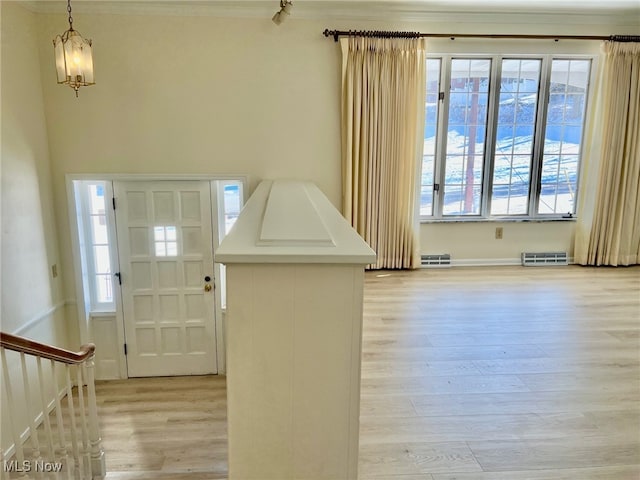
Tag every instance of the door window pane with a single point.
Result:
(165, 240)
(102, 260)
(99, 229)
(96, 199)
(232, 203)
(104, 288)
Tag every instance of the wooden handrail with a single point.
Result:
(24, 345)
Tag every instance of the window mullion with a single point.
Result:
(539, 137)
(441, 140)
(489, 151)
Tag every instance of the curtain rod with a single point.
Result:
(389, 34)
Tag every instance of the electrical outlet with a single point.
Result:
(499, 233)
(54, 270)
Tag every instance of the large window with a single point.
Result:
(503, 136)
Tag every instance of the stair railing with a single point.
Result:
(76, 454)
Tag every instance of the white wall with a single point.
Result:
(33, 303)
(475, 243)
(29, 239)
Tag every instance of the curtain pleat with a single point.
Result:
(383, 88)
(610, 233)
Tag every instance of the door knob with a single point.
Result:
(207, 287)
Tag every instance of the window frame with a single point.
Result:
(488, 159)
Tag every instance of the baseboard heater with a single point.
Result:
(540, 259)
(436, 261)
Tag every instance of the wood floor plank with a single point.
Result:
(616, 380)
(415, 458)
(391, 353)
(522, 402)
(553, 365)
(443, 385)
(516, 338)
(382, 369)
(551, 453)
(597, 473)
(479, 428)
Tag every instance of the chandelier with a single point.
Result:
(74, 60)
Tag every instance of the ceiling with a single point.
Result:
(346, 9)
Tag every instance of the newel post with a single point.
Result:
(98, 467)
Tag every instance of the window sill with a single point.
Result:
(497, 220)
(102, 313)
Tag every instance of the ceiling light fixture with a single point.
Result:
(74, 59)
(285, 10)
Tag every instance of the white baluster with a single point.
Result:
(35, 443)
(75, 451)
(17, 441)
(45, 413)
(4, 474)
(98, 467)
(62, 443)
(84, 429)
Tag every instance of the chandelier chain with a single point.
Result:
(70, 17)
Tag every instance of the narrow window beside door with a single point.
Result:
(92, 199)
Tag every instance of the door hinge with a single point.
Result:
(113, 202)
(125, 348)
(119, 277)
(436, 187)
(440, 95)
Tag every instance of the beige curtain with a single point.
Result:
(608, 231)
(383, 88)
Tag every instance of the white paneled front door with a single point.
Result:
(166, 269)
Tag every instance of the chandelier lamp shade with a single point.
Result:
(74, 58)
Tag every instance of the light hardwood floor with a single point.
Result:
(467, 374)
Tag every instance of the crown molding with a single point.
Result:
(610, 12)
